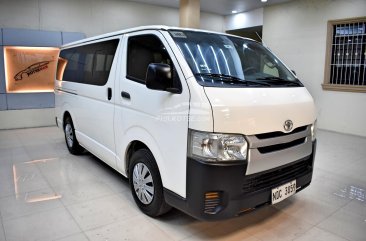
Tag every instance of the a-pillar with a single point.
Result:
(189, 13)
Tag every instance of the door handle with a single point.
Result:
(109, 90)
(125, 95)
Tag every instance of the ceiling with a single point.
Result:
(222, 7)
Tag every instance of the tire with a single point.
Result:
(146, 185)
(70, 138)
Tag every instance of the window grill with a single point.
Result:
(346, 54)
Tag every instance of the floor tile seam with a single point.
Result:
(88, 200)
(2, 225)
(331, 231)
(332, 214)
(69, 235)
(343, 210)
(201, 232)
(7, 196)
(296, 218)
(45, 178)
(211, 227)
(120, 192)
(162, 230)
(86, 230)
(34, 213)
(300, 234)
(336, 209)
(339, 176)
(62, 204)
(109, 223)
(23, 192)
(73, 218)
(52, 187)
(65, 186)
(341, 207)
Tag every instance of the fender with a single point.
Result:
(138, 133)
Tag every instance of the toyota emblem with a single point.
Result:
(288, 125)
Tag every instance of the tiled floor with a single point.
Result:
(48, 194)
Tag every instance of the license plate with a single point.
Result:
(284, 191)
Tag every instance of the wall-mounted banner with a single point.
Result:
(30, 69)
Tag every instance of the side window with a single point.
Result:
(142, 51)
(88, 64)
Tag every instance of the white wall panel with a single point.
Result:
(19, 14)
(11, 119)
(244, 20)
(212, 22)
(92, 17)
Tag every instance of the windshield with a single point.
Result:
(228, 61)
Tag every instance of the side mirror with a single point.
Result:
(159, 77)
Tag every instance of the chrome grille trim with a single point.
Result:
(259, 162)
(254, 142)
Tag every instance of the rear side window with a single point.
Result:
(142, 51)
(88, 64)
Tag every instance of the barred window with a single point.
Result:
(346, 52)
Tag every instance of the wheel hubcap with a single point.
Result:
(69, 135)
(143, 183)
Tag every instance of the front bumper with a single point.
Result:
(221, 191)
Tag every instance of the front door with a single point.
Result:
(157, 118)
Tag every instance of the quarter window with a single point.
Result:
(88, 64)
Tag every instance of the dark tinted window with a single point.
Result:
(88, 64)
(142, 51)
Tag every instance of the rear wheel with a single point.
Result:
(70, 138)
(146, 185)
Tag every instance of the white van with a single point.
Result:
(212, 124)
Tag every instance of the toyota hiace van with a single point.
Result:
(212, 124)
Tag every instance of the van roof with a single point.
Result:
(129, 30)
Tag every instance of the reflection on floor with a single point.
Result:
(48, 194)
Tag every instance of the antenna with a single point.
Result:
(264, 44)
(260, 38)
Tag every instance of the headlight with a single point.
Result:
(313, 131)
(216, 147)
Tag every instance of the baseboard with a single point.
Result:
(13, 119)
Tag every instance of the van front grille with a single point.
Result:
(282, 146)
(279, 133)
(277, 176)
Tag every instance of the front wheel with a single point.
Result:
(70, 138)
(146, 185)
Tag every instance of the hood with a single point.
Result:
(252, 111)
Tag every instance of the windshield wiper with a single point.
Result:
(232, 79)
(280, 81)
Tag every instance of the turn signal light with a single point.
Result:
(213, 202)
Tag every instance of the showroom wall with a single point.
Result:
(248, 19)
(92, 17)
(297, 31)
(26, 96)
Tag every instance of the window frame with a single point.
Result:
(326, 85)
(133, 78)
